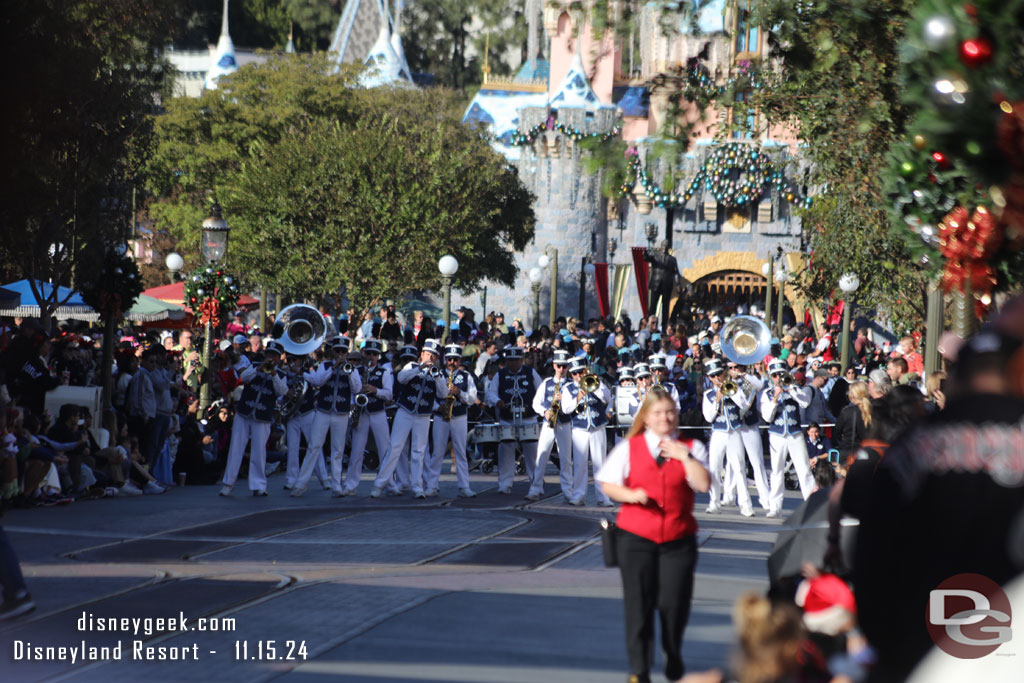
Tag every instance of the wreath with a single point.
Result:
(210, 291)
(116, 287)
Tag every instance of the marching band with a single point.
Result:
(309, 384)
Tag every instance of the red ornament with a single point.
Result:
(941, 159)
(975, 52)
(971, 10)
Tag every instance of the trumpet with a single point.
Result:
(268, 366)
(786, 381)
(729, 388)
(347, 369)
(432, 371)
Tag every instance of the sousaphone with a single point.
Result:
(300, 329)
(745, 340)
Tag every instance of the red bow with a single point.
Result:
(211, 312)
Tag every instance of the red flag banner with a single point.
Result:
(835, 316)
(642, 270)
(601, 280)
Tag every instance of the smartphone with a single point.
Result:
(942, 386)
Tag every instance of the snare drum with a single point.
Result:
(527, 431)
(624, 398)
(484, 433)
(506, 432)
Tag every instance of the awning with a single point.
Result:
(73, 307)
(149, 309)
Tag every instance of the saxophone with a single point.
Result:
(449, 400)
(556, 404)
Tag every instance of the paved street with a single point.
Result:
(388, 590)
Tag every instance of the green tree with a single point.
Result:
(327, 185)
(75, 132)
(202, 142)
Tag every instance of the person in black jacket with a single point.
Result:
(854, 420)
(34, 377)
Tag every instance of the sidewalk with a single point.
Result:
(393, 589)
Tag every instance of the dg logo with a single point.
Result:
(968, 616)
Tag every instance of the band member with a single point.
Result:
(659, 368)
(400, 482)
(750, 433)
(781, 403)
(644, 380)
(338, 383)
(724, 407)
(377, 385)
(300, 424)
(461, 395)
(510, 392)
(548, 393)
(419, 385)
(254, 414)
(587, 398)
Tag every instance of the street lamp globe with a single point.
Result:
(215, 236)
(589, 269)
(448, 265)
(765, 269)
(174, 262)
(544, 261)
(534, 275)
(849, 283)
(781, 276)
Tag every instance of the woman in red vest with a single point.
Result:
(654, 475)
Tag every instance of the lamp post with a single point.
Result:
(550, 258)
(215, 250)
(782, 277)
(174, 263)
(534, 274)
(448, 265)
(586, 272)
(849, 283)
(768, 270)
(651, 231)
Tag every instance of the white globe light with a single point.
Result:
(765, 268)
(448, 265)
(534, 274)
(781, 276)
(544, 261)
(174, 262)
(849, 283)
(589, 269)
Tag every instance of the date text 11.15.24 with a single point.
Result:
(270, 650)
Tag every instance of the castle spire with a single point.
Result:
(223, 59)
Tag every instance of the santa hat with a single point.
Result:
(828, 604)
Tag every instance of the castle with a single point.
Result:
(592, 85)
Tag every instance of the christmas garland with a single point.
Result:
(735, 174)
(211, 291)
(116, 287)
(574, 134)
(957, 181)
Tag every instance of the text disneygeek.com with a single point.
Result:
(142, 628)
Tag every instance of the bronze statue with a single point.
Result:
(664, 275)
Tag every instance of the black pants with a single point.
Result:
(656, 575)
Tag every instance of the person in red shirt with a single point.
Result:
(654, 475)
(908, 349)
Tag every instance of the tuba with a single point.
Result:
(746, 340)
(300, 329)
